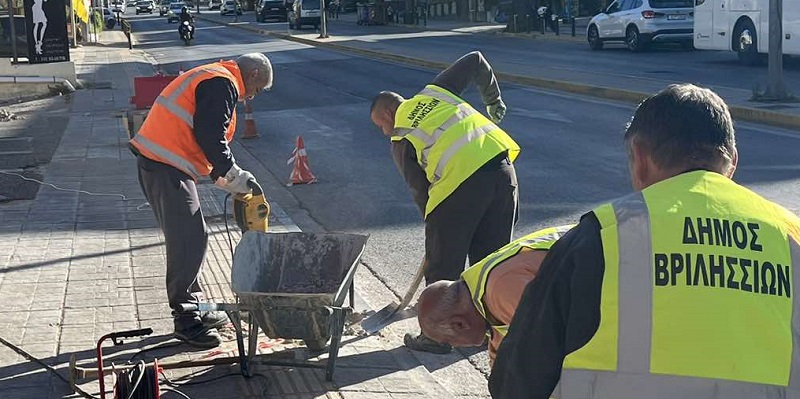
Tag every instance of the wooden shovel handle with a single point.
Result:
(414, 284)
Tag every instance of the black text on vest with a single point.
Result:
(420, 111)
(701, 268)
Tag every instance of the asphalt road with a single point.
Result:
(614, 66)
(572, 156)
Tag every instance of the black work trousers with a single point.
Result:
(477, 219)
(173, 196)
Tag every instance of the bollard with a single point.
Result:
(528, 23)
(543, 23)
(555, 23)
(573, 26)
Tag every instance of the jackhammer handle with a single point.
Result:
(132, 333)
(257, 190)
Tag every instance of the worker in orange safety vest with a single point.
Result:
(184, 137)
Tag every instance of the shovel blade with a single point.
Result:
(380, 319)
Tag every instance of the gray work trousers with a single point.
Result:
(173, 196)
(477, 219)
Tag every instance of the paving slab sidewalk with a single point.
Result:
(81, 263)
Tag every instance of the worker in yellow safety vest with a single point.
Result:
(458, 165)
(684, 289)
(483, 301)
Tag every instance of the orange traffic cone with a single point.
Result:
(249, 123)
(301, 173)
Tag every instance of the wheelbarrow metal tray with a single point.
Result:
(291, 281)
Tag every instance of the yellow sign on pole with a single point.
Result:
(80, 10)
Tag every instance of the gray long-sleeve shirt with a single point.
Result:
(470, 69)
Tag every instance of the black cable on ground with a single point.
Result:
(163, 345)
(47, 367)
(173, 383)
(175, 391)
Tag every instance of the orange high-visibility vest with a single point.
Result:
(167, 135)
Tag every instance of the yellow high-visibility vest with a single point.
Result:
(451, 139)
(698, 297)
(477, 275)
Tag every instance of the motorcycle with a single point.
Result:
(186, 32)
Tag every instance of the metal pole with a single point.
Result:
(573, 26)
(74, 24)
(776, 89)
(13, 32)
(323, 25)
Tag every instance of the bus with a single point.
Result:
(743, 26)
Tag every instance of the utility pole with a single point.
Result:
(13, 31)
(776, 88)
(323, 23)
(74, 23)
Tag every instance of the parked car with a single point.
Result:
(268, 9)
(214, 4)
(174, 12)
(230, 7)
(305, 12)
(638, 23)
(144, 7)
(109, 19)
(118, 5)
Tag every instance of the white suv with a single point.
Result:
(637, 23)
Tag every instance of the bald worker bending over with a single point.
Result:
(483, 301)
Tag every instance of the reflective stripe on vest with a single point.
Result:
(170, 156)
(451, 139)
(477, 275)
(180, 149)
(170, 102)
(685, 319)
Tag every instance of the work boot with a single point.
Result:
(425, 344)
(199, 336)
(216, 319)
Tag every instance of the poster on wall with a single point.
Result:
(46, 25)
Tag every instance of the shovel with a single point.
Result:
(389, 314)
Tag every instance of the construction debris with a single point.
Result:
(7, 116)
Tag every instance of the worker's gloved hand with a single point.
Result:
(235, 181)
(496, 110)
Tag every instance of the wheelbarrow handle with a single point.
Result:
(207, 307)
(131, 333)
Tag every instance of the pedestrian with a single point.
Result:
(482, 302)
(683, 289)
(185, 137)
(458, 165)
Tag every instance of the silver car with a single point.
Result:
(638, 23)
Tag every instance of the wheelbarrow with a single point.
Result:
(292, 286)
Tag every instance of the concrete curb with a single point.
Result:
(738, 112)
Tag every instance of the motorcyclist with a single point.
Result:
(185, 16)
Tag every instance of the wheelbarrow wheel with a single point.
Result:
(316, 344)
